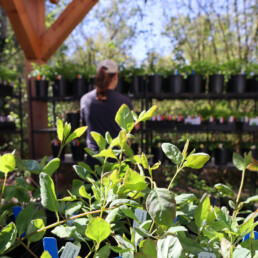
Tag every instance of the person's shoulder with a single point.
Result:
(88, 96)
(120, 96)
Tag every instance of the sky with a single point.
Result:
(151, 26)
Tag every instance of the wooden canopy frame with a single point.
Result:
(40, 43)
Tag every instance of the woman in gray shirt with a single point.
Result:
(99, 106)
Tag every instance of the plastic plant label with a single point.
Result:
(206, 255)
(141, 216)
(50, 245)
(70, 251)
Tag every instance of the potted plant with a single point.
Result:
(7, 76)
(252, 77)
(174, 82)
(65, 74)
(216, 79)
(196, 72)
(223, 153)
(77, 150)
(237, 79)
(43, 74)
(73, 118)
(56, 146)
(137, 81)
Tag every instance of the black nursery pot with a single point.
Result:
(157, 154)
(62, 88)
(174, 84)
(74, 120)
(123, 86)
(252, 84)
(195, 84)
(155, 84)
(137, 84)
(222, 156)
(77, 152)
(237, 83)
(80, 87)
(216, 83)
(41, 88)
(55, 151)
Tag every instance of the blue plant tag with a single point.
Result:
(16, 211)
(246, 237)
(50, 245)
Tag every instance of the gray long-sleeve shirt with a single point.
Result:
(100, 116)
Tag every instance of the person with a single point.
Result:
(99, 106)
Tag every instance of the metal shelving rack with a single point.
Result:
(16, 131)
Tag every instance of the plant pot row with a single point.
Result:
(194, 83)
(63, 88)
(222, 155)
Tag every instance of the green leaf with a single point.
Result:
(124, 118)
(60, 129)
(172, 152)
(7, 163)
(76, 186)
(24, 218)
(67, 130)
(83, 193)
(145, 162)
(238, 162)
(47, 192)
(149, 248)
(176, 229)
(252, 199)
(253, 166)
(202, 211)
(134, 181)
(147, 115)
(246, 227)
(183, 198)
(33, 226)
(7, 237)
(99, 139)
(196, 160)
(122, 138)
(143, 232)
(161, 206)
(190, 245)
(76, 134)
(108, 138)
(33, 166)
(224, 190)
(169, 247)
(98, 229)
(156, 166)
(129, 213)
(136, 159)
(127, 202)
(63, 231)
(108, 153)
(184, 153)
(45, 254)
(72, 208)
(81, 172)
(103, 252)
(52, 166)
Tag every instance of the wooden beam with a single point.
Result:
(22, 25)
(54, 1)
(64, 25)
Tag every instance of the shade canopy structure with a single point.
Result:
(39, 43)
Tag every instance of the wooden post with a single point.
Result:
(39, 44)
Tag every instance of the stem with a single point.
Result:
(57, 216)
(27, 248)
(65, 220)
(33, 181)
(102, 172)
(59, 153)
(174, 177)
(239, 193)
(2, 194)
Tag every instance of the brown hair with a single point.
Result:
(102, 82)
